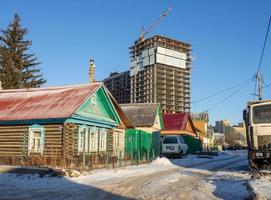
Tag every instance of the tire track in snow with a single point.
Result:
(174, 183)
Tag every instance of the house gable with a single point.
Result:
(99, 108)
(158, 121)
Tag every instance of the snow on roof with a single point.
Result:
(43, 103)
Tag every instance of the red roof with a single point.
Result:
(176, 121)
(43, 103)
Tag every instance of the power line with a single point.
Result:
(264, 44)
(225, 99)
(261, 59)
(267, 85)
(222, 91)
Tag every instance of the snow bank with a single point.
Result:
(162, 161)
(261, 187)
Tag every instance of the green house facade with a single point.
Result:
(69, 125)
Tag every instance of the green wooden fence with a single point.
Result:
(141, 145)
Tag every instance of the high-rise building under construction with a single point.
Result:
(160, 70)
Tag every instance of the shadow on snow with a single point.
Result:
(28, 186)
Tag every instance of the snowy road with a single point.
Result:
(188, 178)
(200, 179)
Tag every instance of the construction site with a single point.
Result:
(160, 71)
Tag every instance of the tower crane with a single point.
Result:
(153, 25)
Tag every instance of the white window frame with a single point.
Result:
(103, 138)
(32, 129)
(81, 140)
(93, 142)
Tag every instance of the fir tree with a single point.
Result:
(18, 68)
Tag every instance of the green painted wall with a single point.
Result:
(99, 107)
(159, 113)
(140, 144)
(193, 144)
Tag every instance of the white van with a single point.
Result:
(174, 145)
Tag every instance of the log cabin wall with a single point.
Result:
(60, 148)
(70, 142)
(11, 141)
(14, 145)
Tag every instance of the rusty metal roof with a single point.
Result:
(43, 103)
(176, 121)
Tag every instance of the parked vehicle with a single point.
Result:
(258, 128)
(174, 146)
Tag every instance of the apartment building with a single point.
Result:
(160, 72)
(119, 86)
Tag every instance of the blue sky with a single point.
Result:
(227, 38)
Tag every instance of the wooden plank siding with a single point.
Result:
(61, 147)
(14, 144)
(11, 140)
(70, 141)
(110, 142)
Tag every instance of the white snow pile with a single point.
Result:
(261, 187)
(162, 161)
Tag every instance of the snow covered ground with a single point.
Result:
(187, 178)
(261, 187)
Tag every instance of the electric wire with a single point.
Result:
(228, 97)
(262, 55)
(264, 44)
(222, 91)
(267, 85)
(247, 81)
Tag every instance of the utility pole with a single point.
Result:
(258, 74)
(260, 87)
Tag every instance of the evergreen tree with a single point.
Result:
(18, 69)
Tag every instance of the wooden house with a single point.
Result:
(144, 116)
(200, 121)
(58, 125)
(182, 124)
(178, 124)
(144, 140)
(119, 131)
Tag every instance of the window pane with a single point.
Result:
(38, 145)
(182, 140)
(262, 114)
(33, 144)
(170, 140)
(37, 134)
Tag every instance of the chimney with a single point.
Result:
(91, 71)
